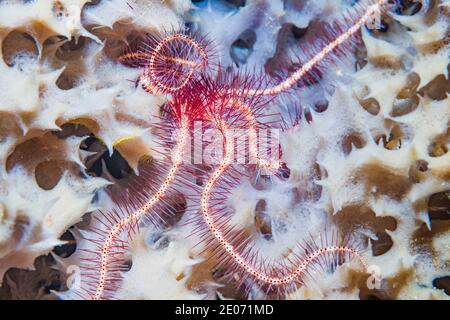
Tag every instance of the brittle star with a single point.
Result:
(152, 84)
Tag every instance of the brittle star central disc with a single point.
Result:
(173, 63)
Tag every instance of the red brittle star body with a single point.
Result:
(240, 260)
(135, 216)
(159, 78)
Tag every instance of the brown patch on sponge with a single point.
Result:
(48, 173)
(371, 105)
(43, 157)
(9, 126)
(358, 216)
(417, 171)
(422, 238)
(383, 181)
(206, 272)
(352, 140)
(388, 289)
(436, 89)
(396, 283)
(17, 43)
(35, 150)
(19, 284)
(357, 279)
(439, 145)
(201, 274)
(439, 205)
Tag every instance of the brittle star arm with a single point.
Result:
(308, 66)
(141, 55)
(135, 216)
(253, 139)
(231, 250)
